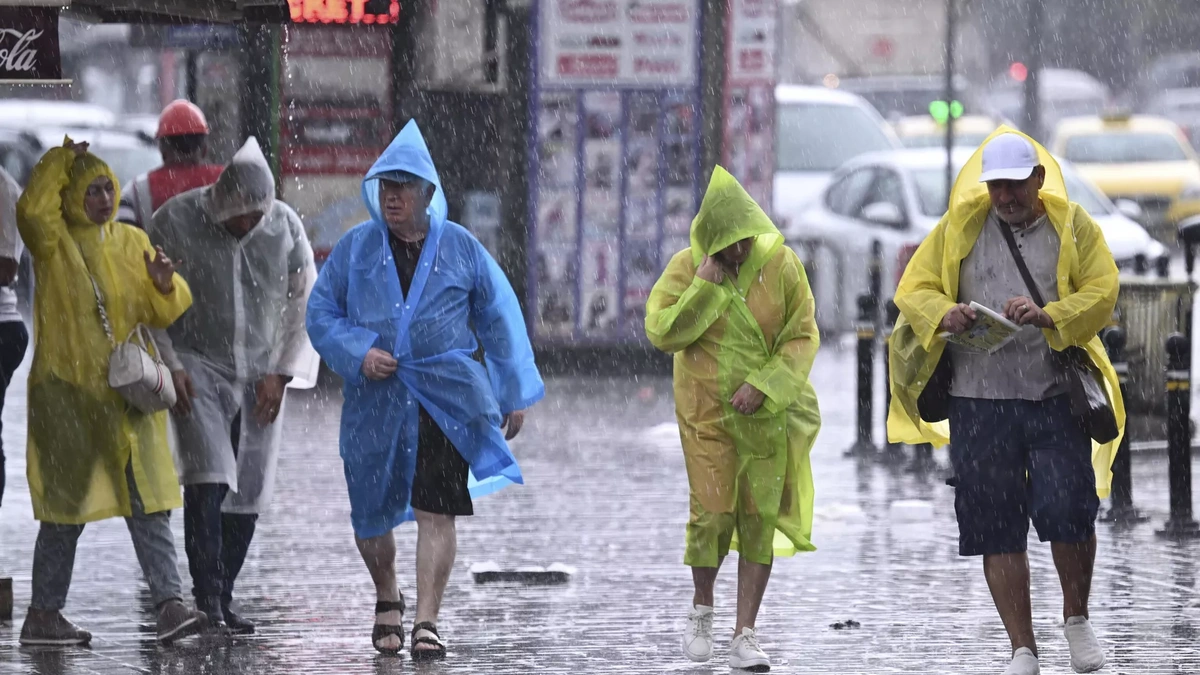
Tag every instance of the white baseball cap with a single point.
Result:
(1008, 157)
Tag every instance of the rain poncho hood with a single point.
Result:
(1087, 285)
(750, 476)
(459, 300)
(82, 434)
(85, 169)
(728, 215)
(246, 185)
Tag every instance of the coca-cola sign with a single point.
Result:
(29, 44)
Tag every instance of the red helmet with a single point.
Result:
(181, 118)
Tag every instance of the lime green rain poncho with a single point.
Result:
(82, 434)
(751, 483)
(1087, 284)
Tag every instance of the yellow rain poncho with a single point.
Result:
(82, 435)
(1087, 284)
(751, 484)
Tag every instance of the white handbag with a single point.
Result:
(139, 376)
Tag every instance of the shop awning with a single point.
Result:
(177, 11)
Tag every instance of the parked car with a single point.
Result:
(19, 151)
(897, 198)
(1137, 157)
(1181, 106)
(817, 130)
(30, 113)
(1064, 93)
(129, 154)
(1167, 73)
(922, 131)
(895, 96)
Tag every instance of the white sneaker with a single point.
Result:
(745, 653)
(697, 637)
(1086, 653)
(1023, 663)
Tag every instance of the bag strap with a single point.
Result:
(99, 300)
(1020, 260)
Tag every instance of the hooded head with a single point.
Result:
(1010, 152)
(245, 191)
(407, 156)
(87, 200)
(727, 216)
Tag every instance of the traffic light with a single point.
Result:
(942, 112)
(1018, 71)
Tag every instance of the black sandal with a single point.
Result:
(381, 631)
(427, 654)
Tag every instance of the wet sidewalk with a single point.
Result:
(606, 494)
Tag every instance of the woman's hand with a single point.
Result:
(748, 399)
(162, 271)
(77, 148)
(710, 270)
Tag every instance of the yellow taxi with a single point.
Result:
(1144, 159)
(923, 131)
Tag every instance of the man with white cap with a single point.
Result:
(249, 263)
(1016, 449)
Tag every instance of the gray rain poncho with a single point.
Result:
(247, 322)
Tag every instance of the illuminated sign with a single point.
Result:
(378, 12)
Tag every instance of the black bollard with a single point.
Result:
(864, 446)
(894, 452)
(1179, 442)
(1121, 511)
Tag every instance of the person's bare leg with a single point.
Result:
(705, 580)
(437, 545)
(1074, 563)
(752, 585)
(379, 553)
(1008, 579)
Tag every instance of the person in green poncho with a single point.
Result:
(736, 310)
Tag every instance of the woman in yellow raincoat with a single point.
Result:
(90, 455)
(737, 312)
(1021, 455)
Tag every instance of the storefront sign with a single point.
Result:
(634, 43)
(29, 44)
(377, 12)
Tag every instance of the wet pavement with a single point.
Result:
(606, 494)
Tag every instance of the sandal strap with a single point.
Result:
(427, 626)
(383, 606)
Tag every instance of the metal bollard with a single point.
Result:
(894, 452)
(1141, 264)
(1162, 265)
(1180, 525)
(6, 599)
(864, 446)
(1122, 511)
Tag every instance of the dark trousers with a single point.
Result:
(216, 542)
(14, 339)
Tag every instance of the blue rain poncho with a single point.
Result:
(457, 294)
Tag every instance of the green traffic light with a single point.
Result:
(941, 112)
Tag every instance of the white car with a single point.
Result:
(127, 153)
(896, 198)
(817, 130)
(30, 113)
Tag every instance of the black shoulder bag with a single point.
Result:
(1089, 403)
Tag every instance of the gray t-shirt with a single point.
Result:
(1023, 368)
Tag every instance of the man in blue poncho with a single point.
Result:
(399, 311)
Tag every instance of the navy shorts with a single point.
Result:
(1015, 461)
